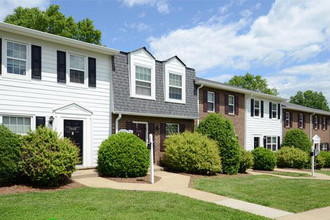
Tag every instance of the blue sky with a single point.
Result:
(287, 42)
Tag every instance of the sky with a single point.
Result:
(287, 42)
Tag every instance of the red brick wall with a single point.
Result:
(237, 120)
(189, 125)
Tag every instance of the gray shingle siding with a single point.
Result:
(124, 103)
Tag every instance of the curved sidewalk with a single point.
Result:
(176, 183)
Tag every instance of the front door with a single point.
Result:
(140, 130)
(256, 142)
(73, 129)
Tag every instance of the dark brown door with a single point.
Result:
(256, 142)
(73, 129)
(140, 130)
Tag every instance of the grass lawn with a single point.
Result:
(291, 174)
(326, 172)
(293, 195)
(91, 203)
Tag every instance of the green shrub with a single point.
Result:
(263, 159)
(192, 153)
(46, 159)
(123, 155)
(298, 139)
(9, 156)
(289, 157)
(246, 161)
(222, 131)
(326, 156)
(320, 161)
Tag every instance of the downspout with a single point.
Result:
(311, 125)
(116, 123)
(201, 86)
(111, 94)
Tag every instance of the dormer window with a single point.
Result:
(142, 81)
(175, 90)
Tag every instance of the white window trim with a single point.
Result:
(271, 143)
(167, 86)
(316, 122)
(324, 123)
(232, 113)
(172, 124)
(5, 74)
(32, 119)
(287, 119)
(276, 110)
(254, 108)
(85, 84)
(302, 120)
(209, 92)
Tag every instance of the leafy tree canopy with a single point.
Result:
(255, 83)
(311, 99)
(53, 21)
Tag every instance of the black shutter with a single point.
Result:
(278, 142)
(270, 109)
(236, 105)
(182, 128)
(61, 66)
(129, 125)
(279, 111)
(319, 122)
(226, 103)
(265, 141)
(217, 101)
(151, 128)
(304, 121)
(36, 62)
(252, 107)
(262, 109)
(162, 136)
(291, 119)
(0, 56)
(40, 121)
(91, 72)
(205, 101)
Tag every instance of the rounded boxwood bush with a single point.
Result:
(326, 156)
(320, 161)
(289, 157)
(298, 139)
(47, 159)
(123, 155)
(192, 153)
(9, 156)
(263, 159)
(246, 161)
(221, 130)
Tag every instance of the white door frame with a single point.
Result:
(260, 139)
(147, 129)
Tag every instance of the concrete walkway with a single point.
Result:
(319, 214)
(318, 176)
(176, 183)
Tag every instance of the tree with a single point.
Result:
(53, 21)
(255, 83)
(311, 99)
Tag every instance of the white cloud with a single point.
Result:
(292, 30)
(140, 27)
(7, 6)
(161, 5)
(222, 78)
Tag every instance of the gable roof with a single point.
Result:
(291, 106)
(145, 49)
(224, 86)
(56, 39)
(175, 57)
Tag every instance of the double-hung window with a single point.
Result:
(142, 81)
(324, 124)
(172, 128)
(256, 108)
(271, 143)
(301, 121)
(175, 86)
(287, 119)
(316, 122)
(16, 58)
(210, 102)
(274, 110)
(19, 125)
(231, 104)
(77, 69)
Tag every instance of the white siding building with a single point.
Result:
(58, 82)
(263, 121)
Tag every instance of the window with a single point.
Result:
(287, 119)
(301, 121)
(16, 58)
(256, 108)
(175, 86)
(20, 125)
(210, 102)
(172, 128)
(324, 123)
(274, 110)
(316, 122)
(77, 69)
(324, 146)
(231, 104)
(142, 81)
(271, 143)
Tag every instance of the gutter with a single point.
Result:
(117, 122)
(201, 86)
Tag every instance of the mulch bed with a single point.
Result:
(143, 180)
(24, 188)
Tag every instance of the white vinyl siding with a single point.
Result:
(210, 102)
(231, 104)
(19, 125)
